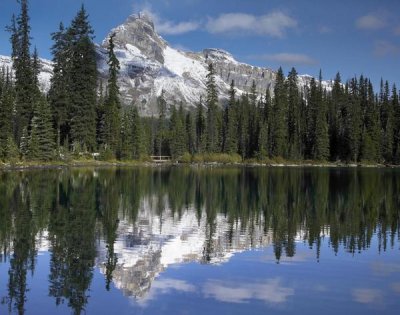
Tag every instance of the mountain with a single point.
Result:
(46, 71)
(149, 65)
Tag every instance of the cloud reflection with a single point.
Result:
(270, 291)
(367, 296)
(165, 286)
(396, 287)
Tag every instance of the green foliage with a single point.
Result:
(41, 142)
(82, 81)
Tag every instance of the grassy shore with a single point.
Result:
(196, 160)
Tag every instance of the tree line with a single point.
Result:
(83, 114)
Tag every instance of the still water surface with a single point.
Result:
(200, 241)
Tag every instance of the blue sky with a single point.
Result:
(353, 37)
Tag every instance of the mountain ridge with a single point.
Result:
(150, 66)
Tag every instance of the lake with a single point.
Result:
(200, 241)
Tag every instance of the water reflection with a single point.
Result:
(134, 224)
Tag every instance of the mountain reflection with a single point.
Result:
(133, 224)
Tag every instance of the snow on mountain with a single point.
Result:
(46, 71)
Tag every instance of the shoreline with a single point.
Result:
(131, 164)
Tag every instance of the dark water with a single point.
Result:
(200, 241)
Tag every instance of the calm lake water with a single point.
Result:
(200, 241)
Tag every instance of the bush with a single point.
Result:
(185, 158)
(222, 158)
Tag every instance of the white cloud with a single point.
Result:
(384, 48)
(171, 28)
(324, 30)
(367, 296)
(166, 27)
(274, 24)
(370, 22)
(289, 59)
(271, 291)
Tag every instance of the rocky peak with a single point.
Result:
(138, 30)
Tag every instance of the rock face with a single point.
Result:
(149, 65)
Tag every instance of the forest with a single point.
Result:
(80, 117)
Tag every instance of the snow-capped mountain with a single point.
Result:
(46, 71)
(149, 65)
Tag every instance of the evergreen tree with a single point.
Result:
(201, 128)
(25, 82)
(243, 125)
(335, 114)
(396, 124)
(177, 140)
(41, 142)
(6, 109)
(58, 93)
(279, 119)
(190, 126)
(371, 131)
(254, 122)
(112, 105)
(294, 138)
(83, 84)
(321, 126)
(386, 124)
(125, 139)
(213, 119)
(136, 133)
(160, 145)
(230, 123)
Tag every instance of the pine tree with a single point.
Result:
(294, 138)
(41, 141)
(177, 140)
(162, 130)
(190, 126)
(213, 119)
(25, 82)
(243, 125)
(6, 110)
(335, 113)
(254, 122)
(371, 131)
(125, 138)
(396, 119)
(201, 128)
(58, 93)
(82, 87)
(137, 134)
(321, 125)
(112, 105)
(230, 121)
(279, 112)
(386, 123)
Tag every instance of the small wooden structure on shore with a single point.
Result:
(161, 158)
